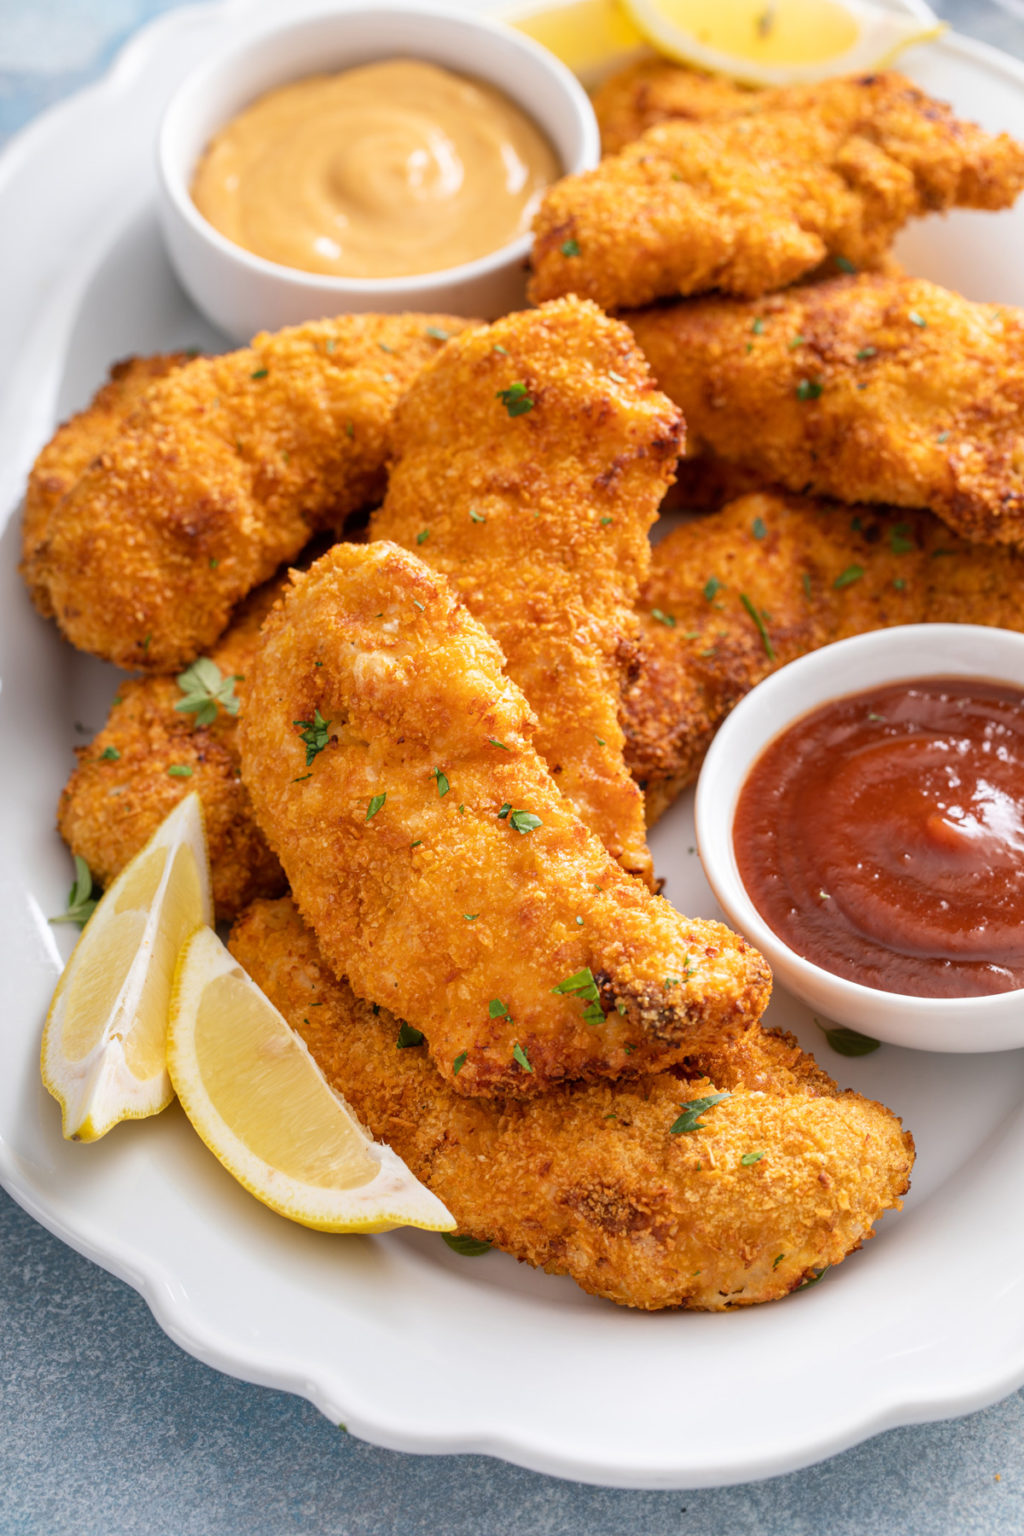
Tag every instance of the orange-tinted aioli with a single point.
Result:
(882, 837)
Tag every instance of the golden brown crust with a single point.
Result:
(223, 472)
(540, 522)
(442, 902)
(589, 1180)
(748, 204)
(653, 91)
(869, 388)
(815, 572)
(121, 789)
(74, 446)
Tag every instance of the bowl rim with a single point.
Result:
(173, 179)
(714, 819)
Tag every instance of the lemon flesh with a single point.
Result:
(103, 1055)
(264, 1108)
(585, 34)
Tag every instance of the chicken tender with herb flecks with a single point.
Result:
(633, 1189)
(392, 768)
(529, 462)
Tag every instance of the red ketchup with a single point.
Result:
(882, 837)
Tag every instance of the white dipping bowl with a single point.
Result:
(242, 293)
(904, 654)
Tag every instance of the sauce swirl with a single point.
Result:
(882, 837)
(388, 170)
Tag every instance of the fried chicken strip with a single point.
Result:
(123, 788)
(589, 1180)
(870, 388)
(653, 90)
(751, 203)
(539, 518)
(74, 446)
(391, 765)
(812, 572)
(224, 471)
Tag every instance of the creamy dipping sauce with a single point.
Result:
(882, 837)
(389, 170)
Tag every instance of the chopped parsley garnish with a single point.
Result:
(865, 352)
(437, 333)
(471, 917)
(759, 623)
(848, 577)
(690, 1119)
(459, 1063)
(515, 399)
(570, 248)
(81, 901)
(350, 430)
(302, 778)
(750, 1158)
(845, 264)
(417, 844)
(606, 522)
(330, 343)
(468, 1247)
(916, 319)
(524, 821)
(492, 741)
(502, 350)
(475, 516)
(442, 783)
(314, 734)
(712, 587)
(796, 341)
(375, 805)
(504, 810)
(758, 326)
(260, 373)
(943, 437)
(758, 528)
(407, 1036)
(813, 1277)
(423, 536)
(205, 686)
(808, 389)
(581, 984)
(497, 1009)
(777, 1260)
(899, 583)
(805, 582)
(109, 755)
(663, 618)
(384, 346)
(900, 541)
(180, 771)
(847, 1042)
(520, 1056)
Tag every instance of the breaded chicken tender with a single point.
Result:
(224, 471)
(750, 204)
(654, 90)
(760, 1192)
(152, 753)
(529, 462)
(734, 595)
(392, 768)
(74, 446)
(870, 388)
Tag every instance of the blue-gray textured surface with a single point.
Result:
(108, 1429)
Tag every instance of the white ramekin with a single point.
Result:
(242, 293)
(913, 651)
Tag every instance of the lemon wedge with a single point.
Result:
(587, 35)
(261, 1103)
(103, 1054)
(778, 42)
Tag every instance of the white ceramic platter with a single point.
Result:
(407, 1344)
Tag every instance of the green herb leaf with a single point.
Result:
(758, 326)
(407, 1036)
(750, 1158)
(442, 783)
(580, 984)
(475, 516)
(943, 437)
(916, 319)
(690, 1119)
(423, 536)
(519, 1055)
(471, 917)
(314, 734)
(437, 333)
(900, 541)
(375, 805)
(468, 1247)
(759, 623)
(110, 755)
(758, 528)
(493, 741)
(849, 576)
(864, 353)
(813, 1278)
(847, 1042)
(712, 587)
(260, 373)
(845, 264)
(205, 687)
(497, 1009)
(504, 810)
(796, 341)
(808, 389)
(81, 902)
(777, 1260)
(459, 1063)
(663, 618)
(805, 582)
(180, 771)
(524, 821)
(515, 399)
(569, 248)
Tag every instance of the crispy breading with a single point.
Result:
(74, 446)
(391, 765)
(539, 518)
(654, 90)
(813, 572)
(749, 204)
(868, 388)
(121, 789)
(589, 1180)
(224, 470)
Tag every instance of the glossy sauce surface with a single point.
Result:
(882, 837)
(389, 170)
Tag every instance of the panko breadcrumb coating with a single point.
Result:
(870, 388)
(779, 1180)
(813, 572)
(74, 446)
(391, 765)
(654, 90)
(223, 472)
(124, 786)
(751, 203)
(539, 518)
